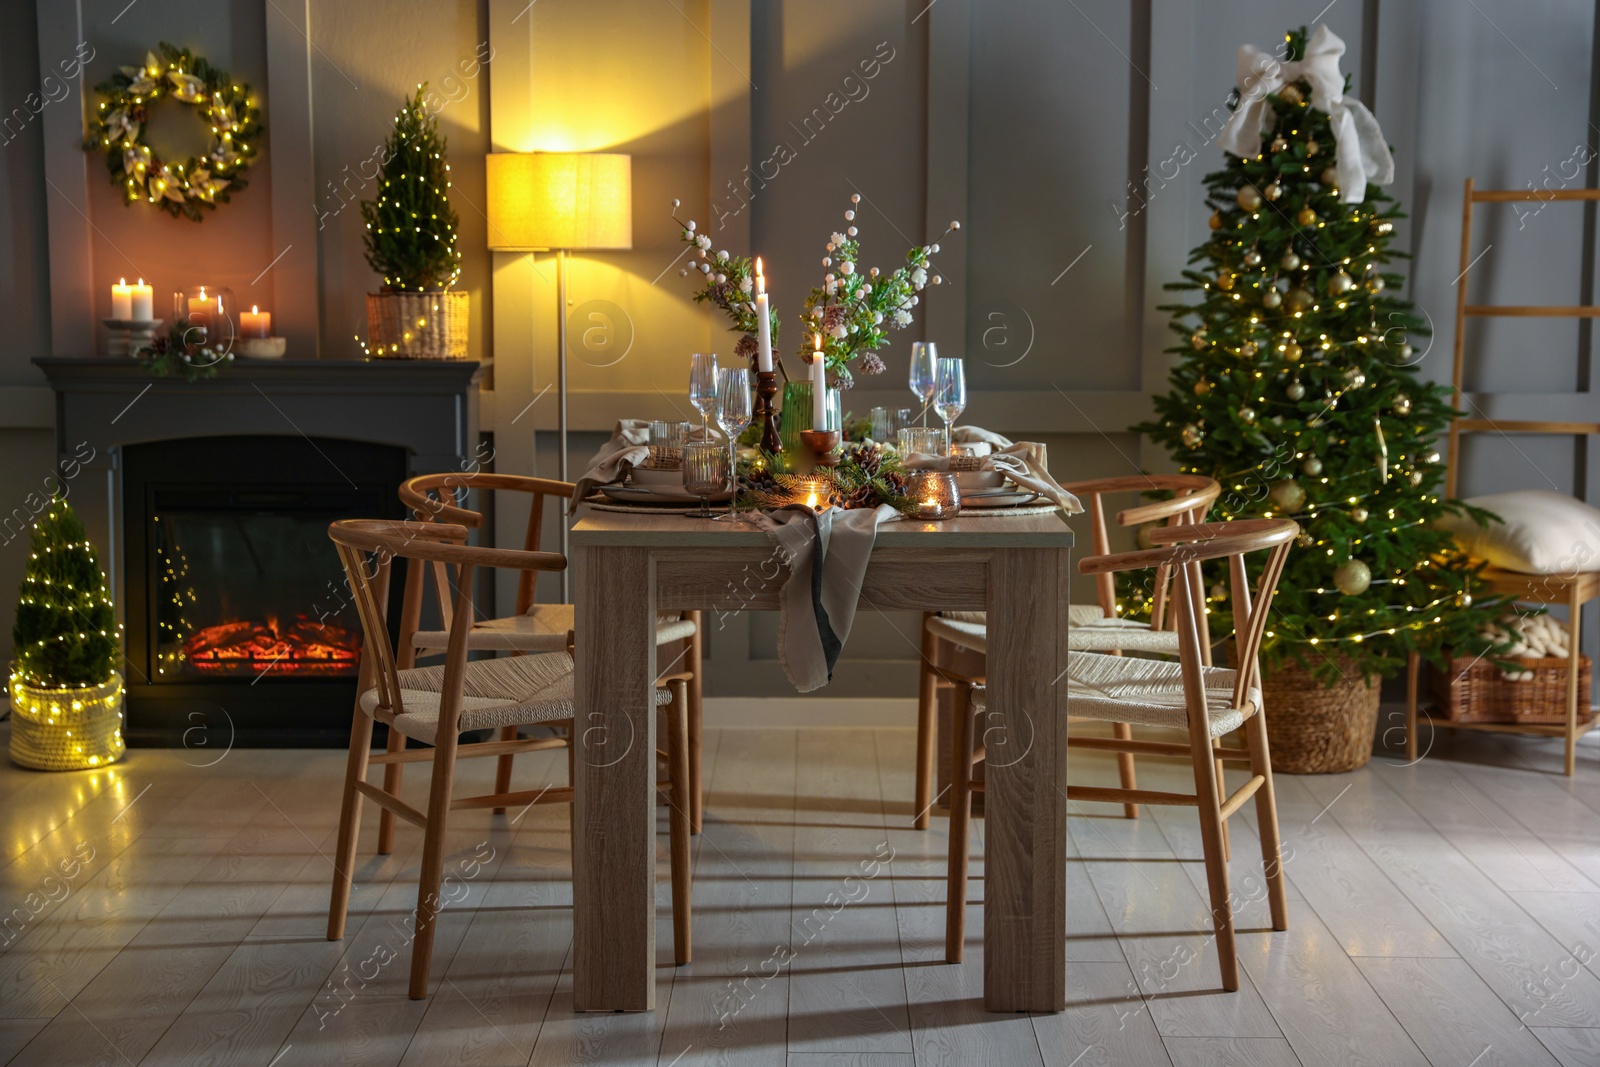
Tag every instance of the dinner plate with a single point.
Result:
(1003, 498)
(658, 494)
(649, 476)
(976, 480)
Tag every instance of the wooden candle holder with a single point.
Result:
(822, 444)
(765, 413)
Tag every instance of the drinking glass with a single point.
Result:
(666, 434)
(950, 393)
(924, 439)
(703, 387)
(902, 419)
(882, 426)
(924, 373)
(705, 471)
(733, 414)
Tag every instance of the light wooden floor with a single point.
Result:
(1446, 913)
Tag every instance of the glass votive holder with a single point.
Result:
(208, 317)
(882, 425)
(903, 419)
(814, 491)
(925, 439)
(934, 495)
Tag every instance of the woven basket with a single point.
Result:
(1475, 690)
(1314, 728)
(66, 729)
(418, 325)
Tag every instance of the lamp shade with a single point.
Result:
(566, 200)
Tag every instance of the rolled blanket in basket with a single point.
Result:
(826, 555)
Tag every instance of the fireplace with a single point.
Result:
(238, 618)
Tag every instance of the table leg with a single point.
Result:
(1574, 631)
(613, 840)
(1024, 730)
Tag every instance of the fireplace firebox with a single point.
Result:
(240, 629)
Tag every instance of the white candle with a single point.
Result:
(200, 310)
(763, 323)
(819, 388)
(143, 301)
(255, 323)
(122, 300)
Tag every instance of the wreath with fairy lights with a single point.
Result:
(181, 189)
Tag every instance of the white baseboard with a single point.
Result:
(794, 712)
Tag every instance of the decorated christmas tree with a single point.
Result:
(1297, 386)
(66, 634)
(411, 228)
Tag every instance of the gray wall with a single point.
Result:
(1070, 139)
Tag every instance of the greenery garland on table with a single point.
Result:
(865, 477)
(168, 356)
(179, 189)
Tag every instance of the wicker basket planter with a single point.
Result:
(66, 729)
(429, 325)
(1475, 690)
(1314, 728)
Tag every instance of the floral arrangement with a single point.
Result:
(170, 355)
(728, 282)
(865, 477)
(226, 107)
(852, 309)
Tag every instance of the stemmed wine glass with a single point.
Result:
(924, 373)
(733, 414)
(950, 394)
(703, 388)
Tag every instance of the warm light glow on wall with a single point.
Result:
(544, 200)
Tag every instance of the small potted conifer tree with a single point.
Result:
(66, 695)
(411, 243)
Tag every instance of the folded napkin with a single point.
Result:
(827, 556)
(978, 436)
(628, 447)
(1021, 463)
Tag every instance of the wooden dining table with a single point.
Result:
(630, 566)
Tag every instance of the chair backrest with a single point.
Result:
(1192, 497)
(439, 498)
(1183, 549)
(366, 549)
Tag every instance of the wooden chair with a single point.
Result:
(535, 627)
(1207, 702)
(1094, 627)
(435, 705)
(1531, 413)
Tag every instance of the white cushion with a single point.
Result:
(1088, 630)
(1541, 532)
(543, 629)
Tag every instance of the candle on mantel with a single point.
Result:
(763, 323)
(200, 309)
(122, 300)
(255, 323)
(142, 301)
(819, 387)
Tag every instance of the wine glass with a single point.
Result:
(703, 387)
(950, 393)
(705, 471)
(924, 373)
(733, 414)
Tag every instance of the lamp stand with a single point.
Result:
(561, 401)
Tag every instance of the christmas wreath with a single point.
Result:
(180, 189)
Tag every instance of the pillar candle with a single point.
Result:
(142, 301)
(255, 323)
(763, 323)
(819, 388)
(200, 310)
(122, 300)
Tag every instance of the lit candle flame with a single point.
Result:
(761, 279)
(811, 501)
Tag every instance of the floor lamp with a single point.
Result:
(562, 202)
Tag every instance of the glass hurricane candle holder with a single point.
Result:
(209, 319)
(934, 495)
(814, 491)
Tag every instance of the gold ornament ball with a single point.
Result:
(1198, 341)
(1465, 600)
(1312, 466)
(1304, 539)
(1216, 220)
(1292, 352)
(1312, 148)
(1191, 435)
(1202, 387)
(1416, 477)
(1358, 514)
(1272, 191)
(1404, 352)
(1249, 198)
(1375, 285)
(1306, 217)
(1295, 390)
(1271, 298)
(1247, 416)
(1252, 258)
(1353, 578)
(1225, 280)
(1355, 378)
(1279, 144)
(1289, 261)
(1247, 349)
(1340, 284)
(1431, 457)
(1382, 227)
(1402, 404)
(1288, 495)
(1297, 299)
(1291, 95)
(1329, 177)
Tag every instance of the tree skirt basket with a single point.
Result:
(418, 325)
(1316, 728)
(66, 729)
(1477, 690)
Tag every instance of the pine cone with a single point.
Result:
(746, 348)
(895, 482)
(833, 317)
(870, 460)
(865, 496)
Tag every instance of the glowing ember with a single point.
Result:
(302, 647)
